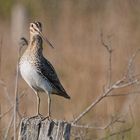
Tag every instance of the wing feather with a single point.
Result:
(48, 71)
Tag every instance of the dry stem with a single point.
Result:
(109, 50)
(118, 84)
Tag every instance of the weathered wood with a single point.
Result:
(38, 129)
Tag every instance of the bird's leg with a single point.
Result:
(49, 108)
(49, 105)
(38, 107)
(38, 104)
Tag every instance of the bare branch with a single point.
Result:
(79, 134)
(119, 84)
(129, 83)
(124, 94)
(130, 67)
(117, 133)
(114, 120)
(109, 49)
(124, 130)
(93, 104)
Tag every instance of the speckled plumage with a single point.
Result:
(38, 71)
(34, 58)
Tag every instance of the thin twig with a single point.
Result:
(92, 105)
(2, 83)
(16, 93)
(129, 71)
(116, 86)
(99, 127)
(8, 128)
(119, 84)
(109, 50)
(124, 82)
(123, 94)
(124, 130)
(1, 45)
(0, 76)
(131, 115)
(117, 133)
(2, 115)
(0, 120)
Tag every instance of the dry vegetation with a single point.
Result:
(82, 63)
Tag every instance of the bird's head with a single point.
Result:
(36, 29)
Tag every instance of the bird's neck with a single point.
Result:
(35, 45)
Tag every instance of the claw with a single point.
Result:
(47, 117)
(40, 116)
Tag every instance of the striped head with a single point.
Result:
(36, 29)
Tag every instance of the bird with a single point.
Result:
(36, 70)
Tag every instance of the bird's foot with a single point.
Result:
(47, 117)
(38, 115)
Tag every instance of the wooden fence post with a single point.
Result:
(39, 129)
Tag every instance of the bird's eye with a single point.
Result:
(31, 25)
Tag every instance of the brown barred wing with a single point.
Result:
(48, 71)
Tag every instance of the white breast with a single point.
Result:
(30, 75)
(27, 72)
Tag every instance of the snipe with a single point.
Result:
(37, 71)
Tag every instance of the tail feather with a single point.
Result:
(63, 94)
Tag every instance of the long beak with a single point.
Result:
(45, 38)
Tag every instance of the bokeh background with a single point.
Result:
(74, 27)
